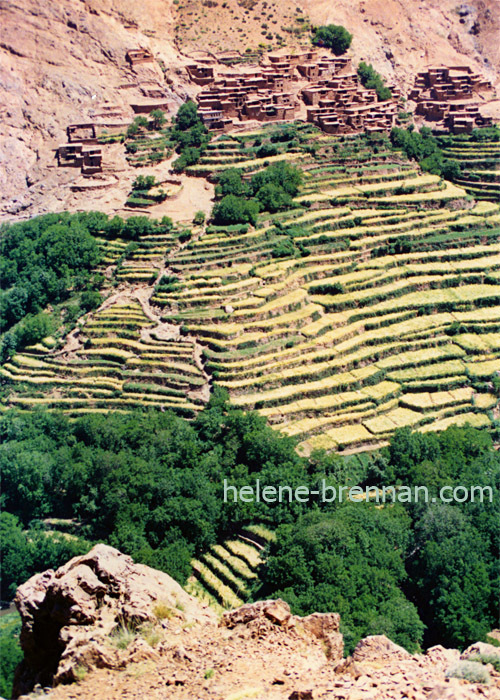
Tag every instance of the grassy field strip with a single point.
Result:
(483, 369)
(439, 369)
(363, 296)
(424, 401)
(484, 343)
(476, 420)
(436, 297)
(214, 585)
(293, 298)
(419, 181)
(312, 426)
(321, 386)
(452, 255)
(449, 192)
(327, 403)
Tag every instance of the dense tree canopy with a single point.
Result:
(50, 259)
(151, 484)
(235, 210)
(189, 135)
(423, 147)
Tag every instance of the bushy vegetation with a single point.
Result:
(423, 147)
(151, 484)
(372, 80)
(470, 671)
(189, 135)
(334, 37)
(145, 192)
(362, 560)
(10, 651)
(235, 210)
(42, 259)
(271, 189)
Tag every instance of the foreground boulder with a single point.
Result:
(68, 615)
(267, 616)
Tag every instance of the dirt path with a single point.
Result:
(162, 330)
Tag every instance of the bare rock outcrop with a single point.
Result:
(481, 649)
(267, 616)
(68, 615)
(378, 647)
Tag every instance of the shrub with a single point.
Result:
(267, 150)
(333, 36)
(144, 182)
(469, 671)
(122, 636)
(284, 249)
(162, 611)
(199, 218)
(492, 659)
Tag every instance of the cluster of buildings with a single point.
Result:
(341, 105)
(308, 84)
(277, 89)
(449, 96)
(272, 91)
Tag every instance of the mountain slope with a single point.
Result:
(61, 61)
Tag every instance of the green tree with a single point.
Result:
(334, 37)
(235, 210)
(158, 119)
(90, 300)
(273, 198)
(231, 182)
(372, 80)
(187, 116)
(351, 561)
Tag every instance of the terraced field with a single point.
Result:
(223, 576)
(383, 315)
(371, 304)
(118, 357)
(480, 163)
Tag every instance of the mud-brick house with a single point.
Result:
(201, 74)
(82, 133)
(77, 155)
(137, 56)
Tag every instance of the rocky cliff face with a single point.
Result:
(70, 615)
(118, 629)
(60, 62)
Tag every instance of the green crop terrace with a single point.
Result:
(479, 162)
(382, 310)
